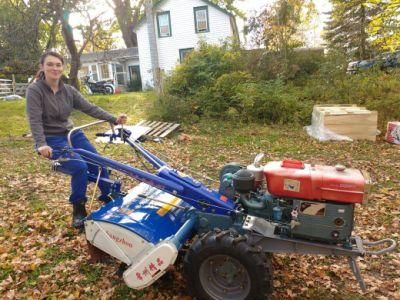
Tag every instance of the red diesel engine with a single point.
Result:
(292, 178)
(322, 198)
(300, 200)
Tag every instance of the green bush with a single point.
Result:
(272, 102)
(221, 97)
(251, 86)
(202, 67)
(295, 65)
(375, 90)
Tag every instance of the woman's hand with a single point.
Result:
(121, 119)
(45, 151)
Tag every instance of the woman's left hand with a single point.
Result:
(121, 119)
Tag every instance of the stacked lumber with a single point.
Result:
(158, 129)
(353, 121)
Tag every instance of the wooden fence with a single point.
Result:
(10, 87)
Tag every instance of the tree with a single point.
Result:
(21, 37)
(27, 28)
(384, 27)
(128, 14)
(101, 38)
(92, 33)
(280, 26)
(347, 29)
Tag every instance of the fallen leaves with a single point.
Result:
(41, 256)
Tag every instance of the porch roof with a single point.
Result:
(116, 55)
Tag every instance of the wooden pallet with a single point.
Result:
(349, 120)
(158, 129)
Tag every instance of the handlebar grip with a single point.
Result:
(103, 134)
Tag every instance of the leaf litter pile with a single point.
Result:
(42, 256)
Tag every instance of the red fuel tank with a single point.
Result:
(292, 178)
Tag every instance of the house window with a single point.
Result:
(93, 69)
(183, 53)
(83, 71)
(119, 74)
(105, 73)
(164, 24)
(201, 19)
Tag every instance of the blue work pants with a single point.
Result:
(77, 166)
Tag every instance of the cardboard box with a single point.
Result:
(347, 120)
(393, 133)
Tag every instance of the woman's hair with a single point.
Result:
(40, 74)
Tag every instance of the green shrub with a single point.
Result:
(272, 102)
(251, 86)
(221, 96)
(202, 67)
(295, 65)
(174, 108)
(375, 90)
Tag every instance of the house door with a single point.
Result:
(135, 79)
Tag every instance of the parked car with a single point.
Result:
(383, 61)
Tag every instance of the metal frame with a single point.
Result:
(167, 179)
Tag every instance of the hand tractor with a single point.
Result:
(231, 233)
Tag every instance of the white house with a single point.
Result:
(172, 28)
(121, 65)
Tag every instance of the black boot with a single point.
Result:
(105, 198)
(78, 214)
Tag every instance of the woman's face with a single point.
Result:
(52, 67)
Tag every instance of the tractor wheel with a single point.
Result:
(222, 265)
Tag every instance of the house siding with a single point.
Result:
(144, 57)
(183, 35)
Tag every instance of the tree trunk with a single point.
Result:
(128, 35)
(127, 20)
(363, 36)
(52, 34)
(73, 51)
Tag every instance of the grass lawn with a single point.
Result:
(42, 256)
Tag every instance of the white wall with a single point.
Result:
(183, 35)
(144, 57)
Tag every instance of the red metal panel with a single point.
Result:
(314, 182)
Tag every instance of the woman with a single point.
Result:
(49, 106)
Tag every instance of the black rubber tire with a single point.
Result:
(233, 249)
(109, 90)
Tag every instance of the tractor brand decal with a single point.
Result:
(126, 211)
(151, 270)
(291, 185)
(119, 240)
(167, 207)
(347, 186)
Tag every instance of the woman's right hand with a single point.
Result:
(45, 151)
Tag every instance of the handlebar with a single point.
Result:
(391, 245)
(86, 126)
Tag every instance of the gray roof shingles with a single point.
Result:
(110, 55)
